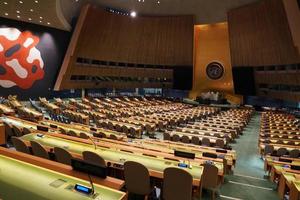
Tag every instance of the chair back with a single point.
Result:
(294, 153)
(62, 156)
(72, 133)
(17, 131)
(220, 143)
(93, 158)
(210, 176)
(167, 136)
(281, 151)
(137, 178)
(268, 149)
(8, 130)
(185, 139)
(205, 142)
(39, 150)
(83, 135)
(177, 184)
(195, 140)
(175, 138)
(20, 145)
(113, 137)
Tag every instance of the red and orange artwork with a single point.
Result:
(21, 63)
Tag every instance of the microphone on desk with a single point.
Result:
(92, 184)
(95, 145)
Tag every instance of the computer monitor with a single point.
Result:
(184, 154)
(89, 168)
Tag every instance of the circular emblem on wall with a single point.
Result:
(214, 70)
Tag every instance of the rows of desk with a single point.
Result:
(281, 158)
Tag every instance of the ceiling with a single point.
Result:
(59, 13)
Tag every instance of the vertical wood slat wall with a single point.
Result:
(260, 35)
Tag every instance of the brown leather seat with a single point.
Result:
(93, 158)
(62, 156)
(205, 142)
(39, 150)
(17, 131)
(20, 145)
(209, 179)
(195, 140)
(83, 135)
(185, 139)
(137, 178)
(220, 143)
(177, 184)
(175, 138)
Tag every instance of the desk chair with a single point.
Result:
(17, 131)
(175, 138)
(83, 135)
(205, 142)
(195, 140)
(62, 156)
(185, 139)
(8, 130)
(113, 137)
(281, 151)
(39, 150)
(220, 143)
(209, 179)
(72, 133)
(294, 153)
(167, 136)
(20, 145)
(137, 178)
(177, 184)
(93, 158)
(26, 131)
(269, 149)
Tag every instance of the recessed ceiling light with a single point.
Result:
(29, 19)
(133, 14)
(31, 10)
(40, 21)
(41, 17)
(6, 14)
(18, 16)
(48, 23)
(36, 1)
(5, 2)
(20, 1)
(18, 11)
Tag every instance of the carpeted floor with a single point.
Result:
(247, 181)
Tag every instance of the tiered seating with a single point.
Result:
(51, 107)
(214, 130)
(77, 117)
(280, 146)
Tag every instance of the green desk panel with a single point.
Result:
(114, 155)
(23, 181)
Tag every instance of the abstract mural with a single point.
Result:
(21, 63)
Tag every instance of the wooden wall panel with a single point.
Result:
(104, 36)
(145, 40)
(211, 44)
(260, 35)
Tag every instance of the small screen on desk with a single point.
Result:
(89, 168)
(184, 154)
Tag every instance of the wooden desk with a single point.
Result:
(295, 190)
(115, 157)
(28, 167)
(2, 134)
(6, 110)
